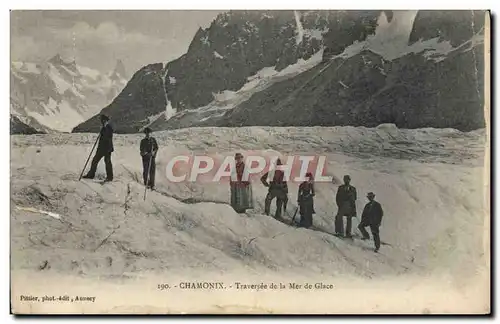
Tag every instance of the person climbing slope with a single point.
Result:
(372, 216)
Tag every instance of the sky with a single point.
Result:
(97, 39)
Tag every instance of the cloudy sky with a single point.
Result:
(98, 39)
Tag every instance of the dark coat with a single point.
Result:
(148, 145)
(278, 182)
(346, 200)
(305, 198)
(106, 139)
(372, 213)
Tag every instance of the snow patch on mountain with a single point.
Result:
(259, 81)
(152, 119)
(27, 67)
(315, 33)
(61, 84)
(476, 40)
(250, 28)
(227, 99)
(170, 111)
(300, 28)
(302, 65)
(217, 55)
(204, 40)
(88, 72)
(391, 40)
(68, 71)
(58, 115)
(343, 84)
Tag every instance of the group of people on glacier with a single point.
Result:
(148, 150)
(242, 199)
(241, 190)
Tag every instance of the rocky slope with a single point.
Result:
(57, 95)
(366, 90)
(455, 26)
(423, 87)
(18, 127)
(413, 69)
(143, 95)
(237, 46)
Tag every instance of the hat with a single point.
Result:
(370, 194)
(147, 130)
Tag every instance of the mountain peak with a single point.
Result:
(58, 60)
(119, 70)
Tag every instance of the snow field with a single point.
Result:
(433, 203)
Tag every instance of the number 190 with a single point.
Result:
(163, 286)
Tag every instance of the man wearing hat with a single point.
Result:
(104, 150)
(346, 203)
(148, 149)
(372, 216)
(278, 188)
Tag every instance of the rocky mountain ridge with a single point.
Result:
(413, 69)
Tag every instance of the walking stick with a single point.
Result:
(93, 147)
(147, 176)
(295, 214)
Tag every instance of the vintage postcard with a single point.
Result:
(250, 162)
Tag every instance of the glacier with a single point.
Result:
(430, 182)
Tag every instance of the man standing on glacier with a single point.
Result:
(278, 188)
(372, 216)
(148, 150)
(346, 203)
(104, 150)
